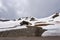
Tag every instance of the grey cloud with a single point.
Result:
(43, 8)
(36, 8)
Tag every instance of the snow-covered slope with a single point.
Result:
(10, 25)
(53, 30)
(51, 24)
(13, 25)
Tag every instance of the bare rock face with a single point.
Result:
(24, 23)
(4, 20)
(19, 19)
(32, 19)
(56, 15)
(30, 31)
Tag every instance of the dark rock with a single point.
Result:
(19, 19)
(56, 15)
(24, 23)
(4, 20)
(32, 19)
(30, 31)
(26, 18)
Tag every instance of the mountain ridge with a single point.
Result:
(51, 24)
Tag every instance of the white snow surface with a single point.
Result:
(52, 30)
(10, 25)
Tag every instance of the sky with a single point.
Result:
(21, 8)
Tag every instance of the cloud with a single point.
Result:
(13, 8)
(43, 8)
(20, 8)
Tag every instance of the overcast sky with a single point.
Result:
(21, 8)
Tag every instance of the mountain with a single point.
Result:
(51, 24)
(53, 30)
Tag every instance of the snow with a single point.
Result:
(52, 30)
(57, 19)
(7, 29)
(10, 25)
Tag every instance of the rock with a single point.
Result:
(30, 31)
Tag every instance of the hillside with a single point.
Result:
(50, 25)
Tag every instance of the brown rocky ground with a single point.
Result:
(27, 32)
(29, 38)
(30, 33)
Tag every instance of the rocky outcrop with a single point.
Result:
(30, 31)
(56, 15)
